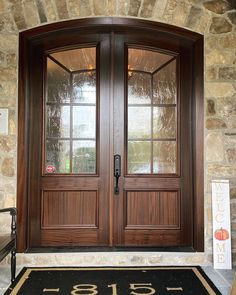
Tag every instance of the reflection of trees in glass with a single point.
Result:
(84, 160)
(140, 157)
(66, 121)
(84, 87)
(58, 154)
(58, 121)
(139, 122)
(152, 115)
(139, 153)
(164, 157)
(84, 121)
(164, 122)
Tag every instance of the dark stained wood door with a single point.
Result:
(152, 133)
(103, 92)
(69, 154)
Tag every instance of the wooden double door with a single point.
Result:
(110, 157)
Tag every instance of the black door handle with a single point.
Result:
(117, 172)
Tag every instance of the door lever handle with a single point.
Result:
(116, 190)
(117, 172)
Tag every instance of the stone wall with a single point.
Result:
(215, 19)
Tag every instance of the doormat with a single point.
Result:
(113, 281)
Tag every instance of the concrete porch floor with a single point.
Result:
(222, 278)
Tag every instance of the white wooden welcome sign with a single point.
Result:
(221, 224)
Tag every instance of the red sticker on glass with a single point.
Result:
(50, 169)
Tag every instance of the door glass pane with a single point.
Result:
(139, 88)
(164, 122)
(141, 117)
(152, 112)
(57, 156)
(84, 156)
(84, 87)
(139, 157)
(164, 157)
(84, 122)
(70, 112)
(165, 85)
(58, 121)
(58, 83)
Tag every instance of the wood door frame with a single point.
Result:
(108, 24)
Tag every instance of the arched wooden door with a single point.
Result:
(111, 137)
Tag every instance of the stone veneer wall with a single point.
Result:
(216, 20)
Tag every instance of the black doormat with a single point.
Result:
(113, 281)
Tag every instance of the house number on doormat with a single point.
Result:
(91, 289)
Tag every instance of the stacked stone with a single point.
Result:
(220, 98)
(215, 19)
(8, 99)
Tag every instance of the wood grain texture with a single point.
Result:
(151, 183)
(198, 147)
(160, 238)
(152, 210)
(66, 209)
(22, 155)
(72, 237)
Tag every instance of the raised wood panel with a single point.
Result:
(154, 209)
(77, 209)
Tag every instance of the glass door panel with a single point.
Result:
(71, 112)
(164, 83)
(152, 112)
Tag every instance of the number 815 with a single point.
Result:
(90, 289)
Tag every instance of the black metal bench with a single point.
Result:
(8, 242)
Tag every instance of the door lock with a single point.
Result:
(117, 172)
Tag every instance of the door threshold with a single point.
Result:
(107, 249)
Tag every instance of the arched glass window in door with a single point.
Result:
(70, 116)
(152, 112)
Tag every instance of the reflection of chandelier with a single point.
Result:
(91, 71)
(130, 71)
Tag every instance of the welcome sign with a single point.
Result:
(221, 224)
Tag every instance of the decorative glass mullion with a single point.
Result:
(84, 130)
(152, 119)
(70, 104)
(71, 122)
(151, 160)
(150, 139)
(162, 105)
